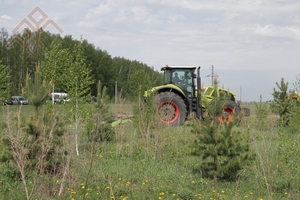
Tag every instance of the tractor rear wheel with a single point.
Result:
(171, 108)
(229, 110)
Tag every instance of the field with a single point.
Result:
(157, 163)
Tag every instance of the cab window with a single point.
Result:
(167, 78)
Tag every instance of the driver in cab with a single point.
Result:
(175, 79)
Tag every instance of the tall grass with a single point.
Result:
(158, 165)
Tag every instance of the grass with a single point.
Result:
(159, 165)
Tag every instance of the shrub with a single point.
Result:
(99, 128)
(224, 152)
(282, 104)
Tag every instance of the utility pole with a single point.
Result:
(116, 92)
(116, 85)
(212, 75)
(241, 90)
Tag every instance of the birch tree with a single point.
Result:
(57, 60)
(78, 85)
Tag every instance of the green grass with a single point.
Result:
(159, 165)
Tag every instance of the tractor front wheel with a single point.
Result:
(171, 108)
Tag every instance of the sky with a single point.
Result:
(251, 44)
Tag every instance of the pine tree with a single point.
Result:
(282, 104)
(34, 145)
(100, 127)
(36, 90)
(223, 150)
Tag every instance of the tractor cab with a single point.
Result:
(181, 76)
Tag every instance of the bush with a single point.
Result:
(224, 151)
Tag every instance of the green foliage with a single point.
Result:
(41, 142)
(185, 193)
(146, 117)
(30, 150)
(100, 128)
(281, 104)
(4, 82)
(55, 55)
(78, 80)
(124, 73)
(162, 167)
(139, 82)
(295, 119)
(8, 178)
(36, 90)
(129, 167)
(6, 154)
(56, 62)
(224, 151)
(220, 104)
(217, 104)
(77, 85)
(294, 122)
(101, 66)
(288, 166)
(262, 112)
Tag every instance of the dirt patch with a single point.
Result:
(122, 115)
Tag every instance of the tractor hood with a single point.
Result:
(167, 87)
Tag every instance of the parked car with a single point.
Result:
(16, 100)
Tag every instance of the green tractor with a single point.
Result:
(181, 96)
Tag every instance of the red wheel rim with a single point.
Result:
(168, 112)
(228, 112)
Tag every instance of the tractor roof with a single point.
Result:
(167, 67)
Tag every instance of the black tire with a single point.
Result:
(171, 108)
(234, 106)
(229, 110)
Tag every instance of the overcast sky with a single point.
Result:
(252, 44)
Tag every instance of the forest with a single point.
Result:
(19, 55)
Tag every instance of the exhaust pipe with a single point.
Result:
(199, 104)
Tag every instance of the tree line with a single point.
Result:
(56, 55)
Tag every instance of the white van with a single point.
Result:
(60, 97)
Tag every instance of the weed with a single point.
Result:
(262, 113)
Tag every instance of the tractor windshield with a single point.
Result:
(183, 78)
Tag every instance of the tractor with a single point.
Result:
(182, 96)
(295, 96)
